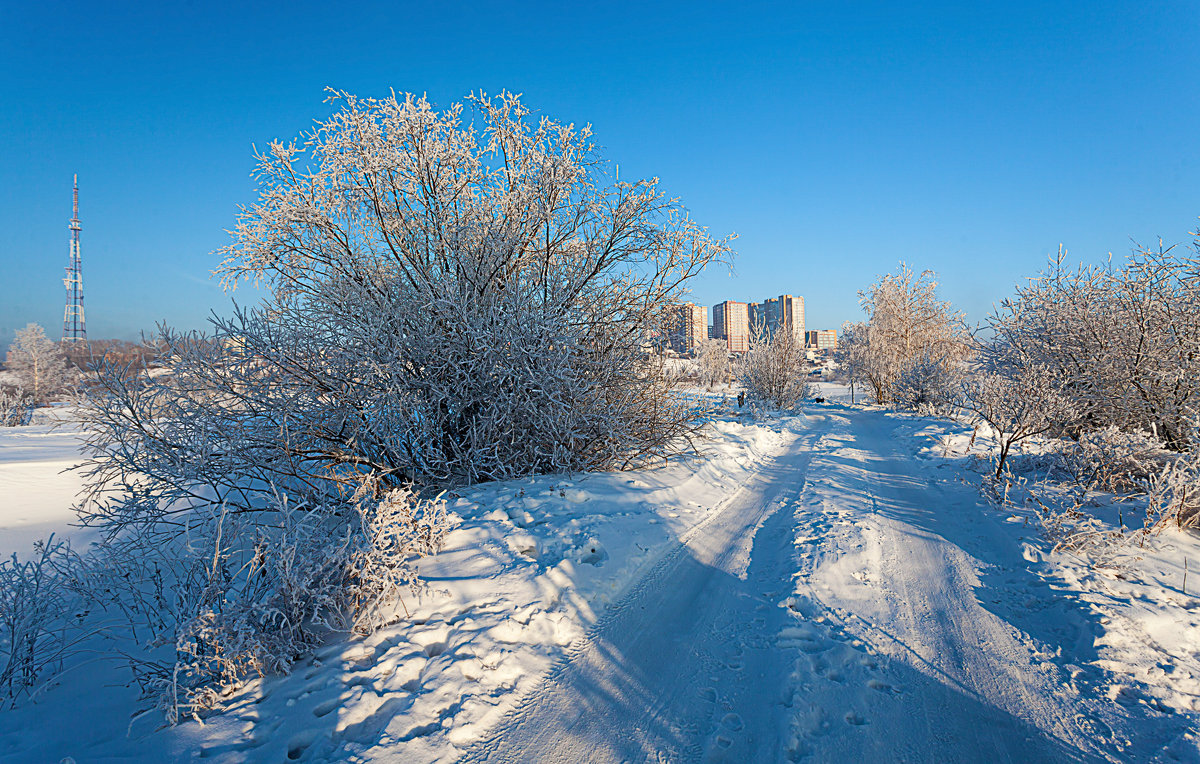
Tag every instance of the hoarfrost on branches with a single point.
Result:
(1111, 460)
(38, 364)
(713, 357)
(1124, 341)
(931, 383)
(773, 371)
(1017, 403)
(16, 407)
(449, 301)
(852, 354)
(905, 321)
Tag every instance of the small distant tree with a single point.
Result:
(38, 363)
(713, 358)
(905, 319)
(852, 354)
(773, 371)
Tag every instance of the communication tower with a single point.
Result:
(74, 329)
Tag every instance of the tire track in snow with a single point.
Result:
(884, 564)
(686, 667)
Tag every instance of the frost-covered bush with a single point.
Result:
(1124, 342)
(774, 369)
(930, 383)
(36, 616)
(1016, 402)
(905, 321)
(387, 536)
(1112, 460)
(449, 301)
(229, 601)
(16, 408)
(1175, 490)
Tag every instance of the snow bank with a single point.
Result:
(1150, 641)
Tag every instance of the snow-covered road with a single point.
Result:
(848, 604)
(686, 667)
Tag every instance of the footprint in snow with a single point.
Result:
(854, 719)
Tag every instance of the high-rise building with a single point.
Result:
(731, 322)
(758, 317)
(784, 311)
(688, 327)
(826, 339)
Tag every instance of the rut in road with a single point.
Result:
(846, 605)
(685, 668)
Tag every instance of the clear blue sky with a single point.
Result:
(835, 138)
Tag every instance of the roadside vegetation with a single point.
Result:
(454, 296)
(1090, 374)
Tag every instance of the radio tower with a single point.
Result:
(74, 329)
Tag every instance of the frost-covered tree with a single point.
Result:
(38, 364)
(451, 299)
(1017, 400)
(773, 370)
(1124, 341)
(852, 354)
(905, 319)
(712, 358)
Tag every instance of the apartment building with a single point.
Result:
(731, 322)
(688, 327)
(782, 312)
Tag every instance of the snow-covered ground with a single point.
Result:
(36, 493)
(829, 587)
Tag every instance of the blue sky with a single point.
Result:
(836, 139)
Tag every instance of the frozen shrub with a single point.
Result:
(245, 602)
(930, 383)
(36, 616)
(773, 371)
(488, 324)
(1016, 405)
(1111, 460)
(16, 408)
(1123, 342)
(1175, 494)
(388, 535)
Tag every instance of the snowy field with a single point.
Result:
(36, 492)
(831, 586)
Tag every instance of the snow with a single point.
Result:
(826, 586)
(36, 495)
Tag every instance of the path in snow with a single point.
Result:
(685, 668)
(846, 605)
